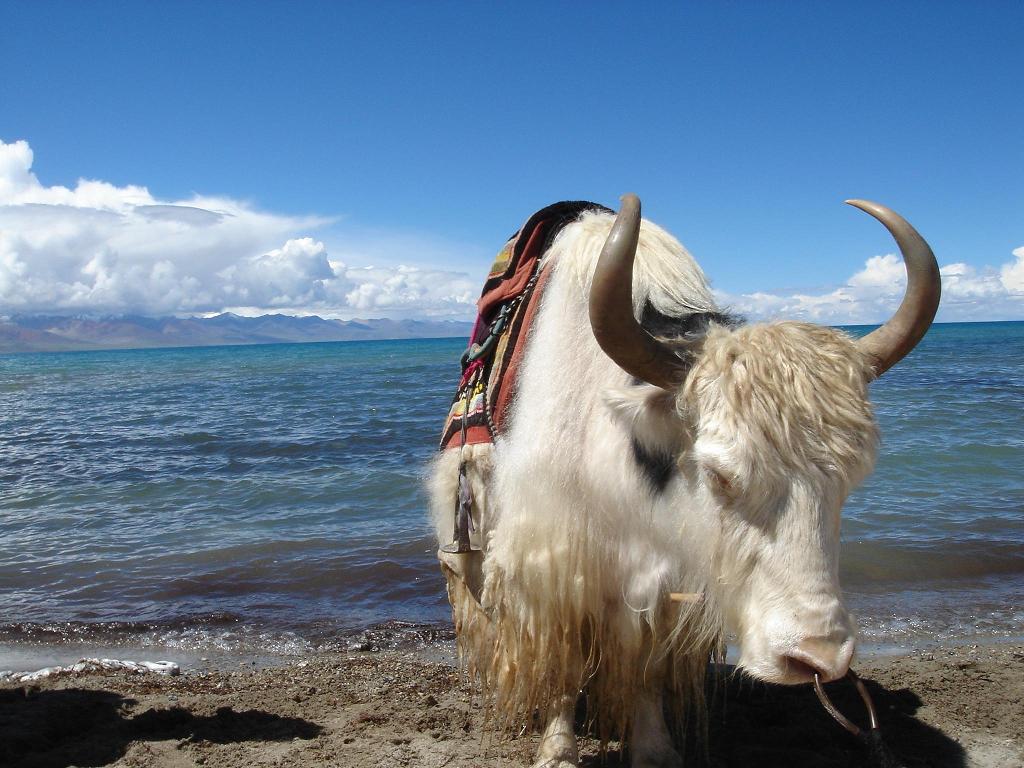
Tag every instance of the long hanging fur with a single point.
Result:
(554, 617)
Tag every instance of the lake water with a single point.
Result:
(269, 498)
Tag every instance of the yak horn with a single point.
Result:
(615, 326)
(893, 341)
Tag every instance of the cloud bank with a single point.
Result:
(872, 295)
(98, 248)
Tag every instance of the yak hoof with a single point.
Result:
(555, 762)
(558, 750)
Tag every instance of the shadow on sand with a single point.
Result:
(754, 724)
(76, 727)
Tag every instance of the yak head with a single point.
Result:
(762, 430)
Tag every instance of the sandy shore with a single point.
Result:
(961, 706)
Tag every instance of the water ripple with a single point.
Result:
(280, 486)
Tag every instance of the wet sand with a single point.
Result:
(961, 706)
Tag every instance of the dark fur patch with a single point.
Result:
(691, 326)
(656, 466)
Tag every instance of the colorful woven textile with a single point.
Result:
(505, 311)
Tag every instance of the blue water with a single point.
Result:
(271, 497)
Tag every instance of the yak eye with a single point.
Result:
(721, 482)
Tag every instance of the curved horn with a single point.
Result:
(901, 333)
(617, 331)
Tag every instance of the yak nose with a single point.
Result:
(829, 657)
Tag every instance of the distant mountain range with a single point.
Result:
(58, 334)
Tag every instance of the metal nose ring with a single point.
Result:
(839, 717)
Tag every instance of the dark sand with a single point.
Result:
(961, 706)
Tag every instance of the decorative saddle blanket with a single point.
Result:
(505, 311)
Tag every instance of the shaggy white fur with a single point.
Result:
(768, 435)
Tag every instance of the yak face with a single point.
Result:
(756, 452)
(782, 432)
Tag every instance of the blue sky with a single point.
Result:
(412, 138)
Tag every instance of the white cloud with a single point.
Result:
(880, 273)
(872, 295)
(429, 292)
(1012, 275)
(294, 275)
(99, 248)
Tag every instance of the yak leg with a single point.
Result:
(650, 742)
(558, 743)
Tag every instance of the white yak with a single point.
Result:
(653, 447)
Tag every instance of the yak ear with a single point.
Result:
(649, 414)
